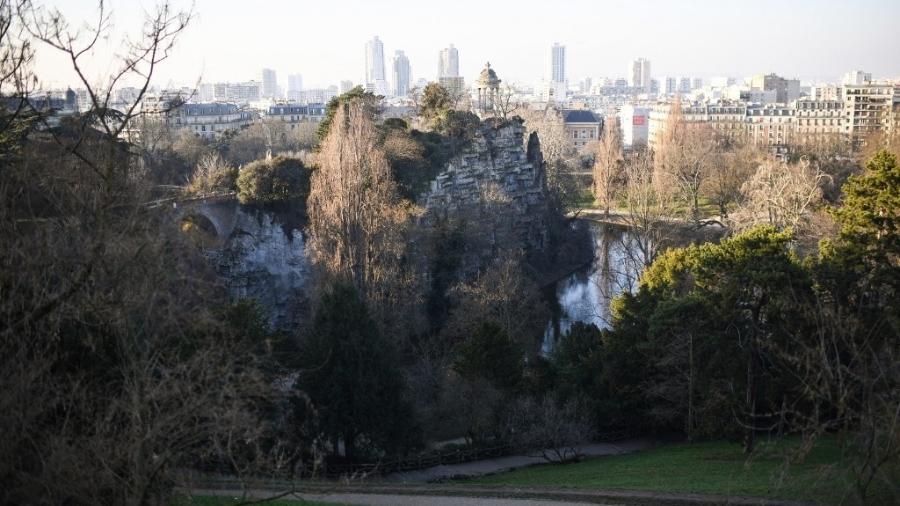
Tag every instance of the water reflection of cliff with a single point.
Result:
(585, 295)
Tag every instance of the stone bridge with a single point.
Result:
(211, 219)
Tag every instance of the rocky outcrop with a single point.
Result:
(263, 260)
(497, 185)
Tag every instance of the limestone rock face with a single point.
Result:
(259, 258)
(498, 186)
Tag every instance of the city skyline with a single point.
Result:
(665, 34)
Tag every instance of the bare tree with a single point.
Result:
(683, 156)
(116, 371)
(504, 104)
(780, 194)
(556, 147)
(502, 294)
(728, 171)
(608, 162)
(358, 226)
(649, 198)
(848, 374)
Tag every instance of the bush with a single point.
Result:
(213, 176)
(276, 181)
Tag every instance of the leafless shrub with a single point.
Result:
(549, 429)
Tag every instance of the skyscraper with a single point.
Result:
(295, 82)
(346, 86)
(269, 84)
(448, 62)
(558, 63)
(671, 85)
(375, 75)
(400, 74)
(639, 75)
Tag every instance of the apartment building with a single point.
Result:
(868, 108)
(770, 125)
(206, 120)
(813, 117)
(294, 114)
(582, 126)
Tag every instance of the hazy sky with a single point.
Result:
(324, 40)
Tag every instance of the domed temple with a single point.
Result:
(488, 86)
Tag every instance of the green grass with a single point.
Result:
(711, 468)
(209, 500)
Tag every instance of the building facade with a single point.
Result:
(295, 82)
(205, 120)
(269, 84)
(240, 93)
(400, 74)
(868, 108)
(639, 75)
(634, 123)
(813, 117)
(448, 62)
(294, 114)
(582, 126)
(786, 90)
(376, 78)
(558, 63)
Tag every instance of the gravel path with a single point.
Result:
(501, 464)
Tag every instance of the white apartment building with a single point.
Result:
(634, 122)
(770, 125)
(856, 77)
(240, 93)
(813, 117)
(869, 108)
(825, 92)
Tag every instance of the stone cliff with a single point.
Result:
(496, 186)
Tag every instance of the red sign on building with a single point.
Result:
(638, 120)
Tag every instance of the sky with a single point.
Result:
(232, 40)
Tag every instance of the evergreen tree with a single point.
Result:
(351, 375)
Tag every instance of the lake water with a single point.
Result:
(585, 295)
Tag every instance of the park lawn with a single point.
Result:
(707, 468)
(210, 500)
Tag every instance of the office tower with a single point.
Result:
(697, 83)
(684, 85)
(295, 82)
(558, 63)
(671, 85)
(269, 84)
(448, 62)
(639, 72)
(400, 74)
(376, 80)
(346, 86)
